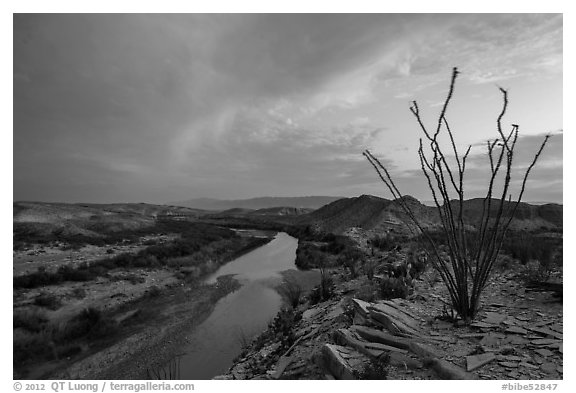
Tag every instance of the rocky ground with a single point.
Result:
(518, 334)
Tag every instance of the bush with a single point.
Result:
(291, 292)
(31, 346)
(391, 288)
(48, 301)
(79, 293)
(154, 291)
(377, 369)
(90, 323)
(325, 290)
(308, 256)
(526, 247)
(383, 243)
(350, 258)
(417, 261)
(535, 271)
(283, 326)
(367, 292)
(32, 320)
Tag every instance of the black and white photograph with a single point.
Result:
(286, 196)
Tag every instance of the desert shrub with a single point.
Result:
(89, 323)
(336, 244)
(48, 301)
(79, 274)
(367, 292)
(369, 268)
(79, 293)
(309, 257)
(325, 290)
(434, 278)
(526, 247)
(131, 278)
(283, 326)
(391, 288)
(377, 369)
(504, 262)
(535, 271)
(149, 261)
(417, 261)
(292, 292)
(351, 258)
(154, 291)
(383, 243)
(33, 320)
(33, 280)
(68, 350)
(29, 346)
(169, 371)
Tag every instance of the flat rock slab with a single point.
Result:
(546, 341)
(515, 340)
(378, 336)
(508, 364)
(494, 318)
(528, 365)
(342, 362)
(548, 368)
(547, 332)
(448, 370)
(482, 325)
(477, 361)
(491, 340)
(516, 330)
(362, 307)
(281, 366)
(544, 352)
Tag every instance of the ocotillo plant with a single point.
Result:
(466, 268)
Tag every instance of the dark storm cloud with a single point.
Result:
(162, 107)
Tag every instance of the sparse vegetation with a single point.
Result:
(292, 292)
(392, 287)
(48, 301)
(37, 339)
(325, 290)
(182, 252)
(169, 371)
(377, 369)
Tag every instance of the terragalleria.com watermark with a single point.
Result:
(105, 386)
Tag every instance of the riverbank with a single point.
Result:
(99, 316)
(153, 342)
(363, 331)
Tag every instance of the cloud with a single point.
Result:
(204, 102)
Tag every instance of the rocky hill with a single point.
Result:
(86, 219)
(373, 213)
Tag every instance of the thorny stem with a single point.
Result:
(466, 273)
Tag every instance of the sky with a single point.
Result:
(167, 107)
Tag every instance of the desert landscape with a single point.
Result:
(97, 287)
(287, 197)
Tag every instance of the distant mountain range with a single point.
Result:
(308, 202)
(328, 214)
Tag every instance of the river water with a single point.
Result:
(241, 315)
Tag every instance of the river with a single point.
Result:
(241, 315)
